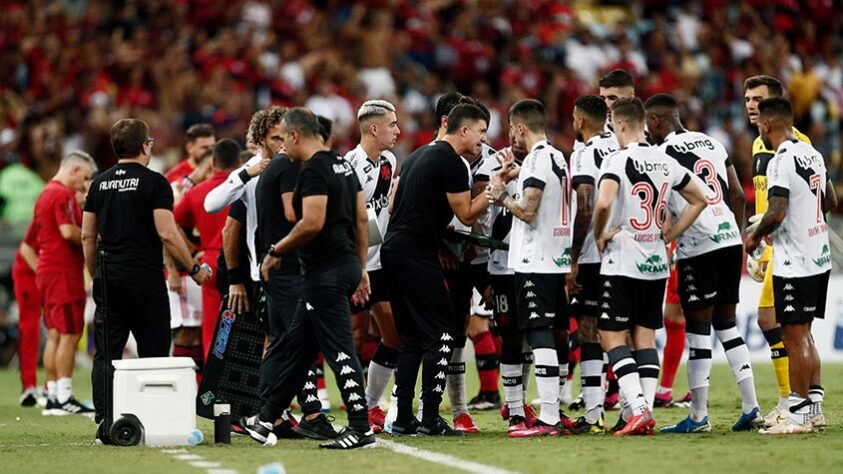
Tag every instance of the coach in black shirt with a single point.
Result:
(276, 216)
(433, 187)
(128, 215)
(332, 239)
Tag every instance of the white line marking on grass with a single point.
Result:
(174, 451)
(222, 471)
(205, 464)
(188, 457)
(443, 459)
(195, 460)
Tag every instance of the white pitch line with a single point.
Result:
(443, 459)
(205, 464)
(188, 457)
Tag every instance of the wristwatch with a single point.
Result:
(272, 253)
(196, 268)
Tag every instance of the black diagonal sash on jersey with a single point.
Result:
(805, 173)
(688, 160)
(380, 198)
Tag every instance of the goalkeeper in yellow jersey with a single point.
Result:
(756, 89)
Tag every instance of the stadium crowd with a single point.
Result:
(169, 92)
(70, 69)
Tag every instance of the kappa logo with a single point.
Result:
(357, 407)
(605, 305)
(350, 384)
(310, 373)
(354, 397)
(689, 277)
(745, 367)
(446, 337)
(530, 294)
(437, 389)
(789, 309)
(534, 315)
(440, 375)
(308, 306)
(788, 287)
(529, 284)
(604, 316)
(311, 398)
(445, 349)
(443, 362)
(692, 288)
(120, 172)
(574, 300)
(309, 386)
(789, 297)
(346, 370)
(607, 284)
(532, 305)
(342, 356)
(606, 294)
(693, 298)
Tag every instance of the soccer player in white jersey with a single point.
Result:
(630, 233)
(540, 254)
(375, 167)
(798, 197)
(710, 257)
(584, 280)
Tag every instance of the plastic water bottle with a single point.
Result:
(273, 468)
(195, 437)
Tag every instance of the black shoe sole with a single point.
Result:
(362, 443)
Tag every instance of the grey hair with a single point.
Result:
(374, 108)
(79, 156)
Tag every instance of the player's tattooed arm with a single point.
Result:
(527, 208)
(830, 202)
(737, 201)
(585, 211)
(772, 219)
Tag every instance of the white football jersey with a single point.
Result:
(645, 177)
(797, 172)
(474, 169)
(707, 160)
(545, 245)
(501, 230)
(376, 180)
(481, 170)
(585, 169)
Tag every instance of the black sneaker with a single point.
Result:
(438, 427)
(577, 404)
(72, 407)
(286, 430)
(619, 425)
(485, 401)
(350, 439)
(260, 431)
(318, 428)
(29, 397)
(399, 429)
(51, 407)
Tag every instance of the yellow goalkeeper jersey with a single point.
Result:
(760, 159)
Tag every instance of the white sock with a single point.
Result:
(379, 377)
(800, 409)
(738, 356)
(565, 395)
(784, 402)
(547, 382)
(699, 367)
(513, 390)
(816, 394)
(648, 373)
(626, 371)
(591, 380)
(64, 387)
(455, 381)
(52, 389)
(392, 412)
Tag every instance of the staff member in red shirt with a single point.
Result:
(59, 275)
(29, 314)
(190, 212)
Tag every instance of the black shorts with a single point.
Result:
(380, 292)
(710, 279)
(799, 300)
(586, 302)
(628, 302)
(540, 300)
(480, 278)
(503, 307)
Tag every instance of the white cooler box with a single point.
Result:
(161, 393)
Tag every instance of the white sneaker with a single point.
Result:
(787, 426)
(818, 422)
(776, 416)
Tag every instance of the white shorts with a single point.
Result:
(186, 309)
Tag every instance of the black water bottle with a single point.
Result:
(222, 422)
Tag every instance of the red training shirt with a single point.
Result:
(190, 212)
(56, 206)
(179, 171)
